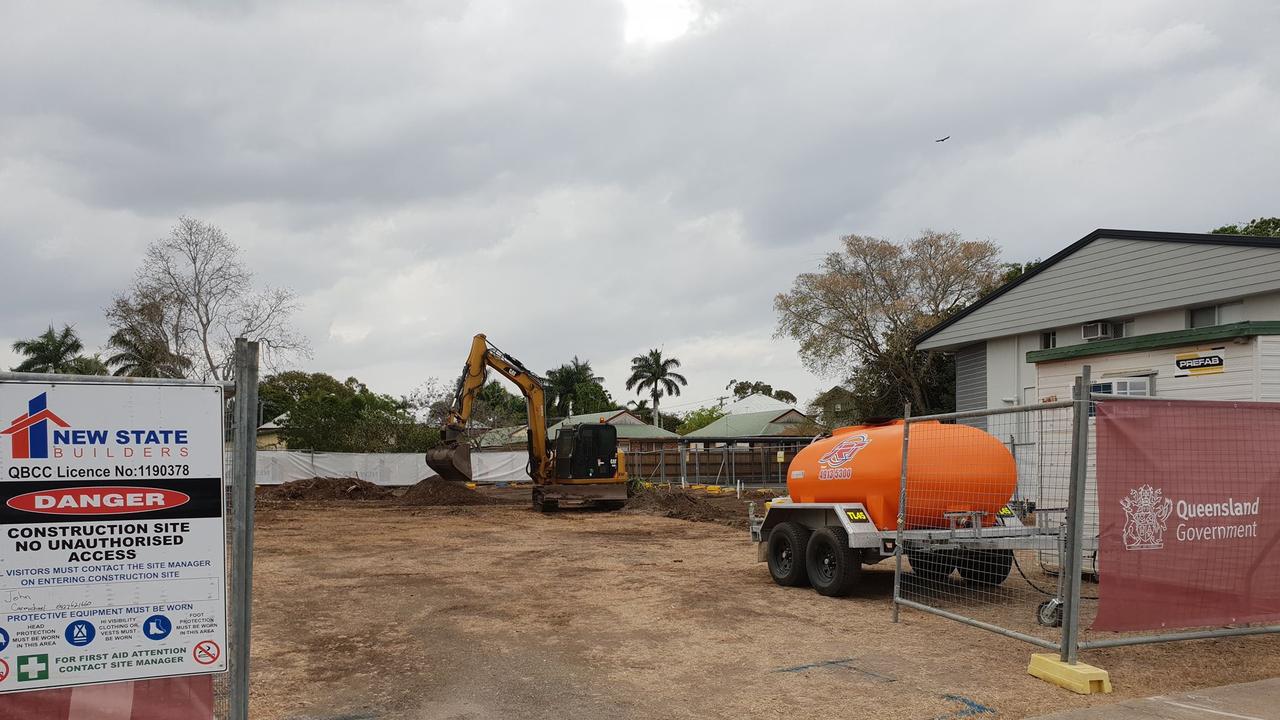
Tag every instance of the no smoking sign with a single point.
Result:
(206, 652)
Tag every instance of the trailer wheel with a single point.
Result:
(932, 567)
(985, 567)
(834, 567)
(787, 544)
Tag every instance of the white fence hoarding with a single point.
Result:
(112, 538)
(391, 469)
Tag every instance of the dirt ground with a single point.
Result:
(368, 610)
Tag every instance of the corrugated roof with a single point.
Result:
(625, 430)
(751, 425)
(756, 402)
(1194, 238)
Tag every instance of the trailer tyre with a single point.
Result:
(786, 551)
(834, 568)
(932, 567)
(985, 567)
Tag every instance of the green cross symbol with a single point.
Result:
(33, 667)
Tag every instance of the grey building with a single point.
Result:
(1179, 315)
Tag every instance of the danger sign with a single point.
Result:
(112, 532)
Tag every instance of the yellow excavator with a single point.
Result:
(582, 466)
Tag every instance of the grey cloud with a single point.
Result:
(422, 171)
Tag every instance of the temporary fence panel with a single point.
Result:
(983, 504)
(1188, 495)
(1162, 533)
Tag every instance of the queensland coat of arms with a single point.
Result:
(1146, 513)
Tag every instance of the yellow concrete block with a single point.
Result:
(696, 487)
(713, 489)
(1079, 678)
(471, 485)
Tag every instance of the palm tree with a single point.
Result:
(641, 409)
(563, 382)
(51, 352)
(656, 374)
(141, 354)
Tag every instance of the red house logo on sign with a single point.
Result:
(29, 432)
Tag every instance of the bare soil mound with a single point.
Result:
(683, 506)
(434, 491)
(325, 489)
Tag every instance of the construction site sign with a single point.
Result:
(112, 538)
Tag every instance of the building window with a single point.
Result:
(1049, 340)
(1122, 386)
(1210, 315)
(1121, 328)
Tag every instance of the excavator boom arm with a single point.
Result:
(453, 461)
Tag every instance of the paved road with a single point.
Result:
(1247, 701)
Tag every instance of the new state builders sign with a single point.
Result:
(111, 533)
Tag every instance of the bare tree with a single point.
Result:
(862, 311)
(195, 293)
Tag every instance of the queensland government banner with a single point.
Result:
(1189, 512)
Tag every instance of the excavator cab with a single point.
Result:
(586, 451)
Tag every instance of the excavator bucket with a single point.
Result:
(451, 462)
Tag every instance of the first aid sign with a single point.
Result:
(112, 533)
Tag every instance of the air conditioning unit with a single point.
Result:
(1096, 331)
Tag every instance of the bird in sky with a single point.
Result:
(943, 139)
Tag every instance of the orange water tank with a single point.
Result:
(950, 468)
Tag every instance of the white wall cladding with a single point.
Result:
(1117, 278)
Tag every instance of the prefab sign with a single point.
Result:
(111, 533)
(1200, 362)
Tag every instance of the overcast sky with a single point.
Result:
(602, 177)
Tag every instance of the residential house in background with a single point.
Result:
(633, 433)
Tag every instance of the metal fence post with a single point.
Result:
(902, 511)
(1075, 519)
(243, 479)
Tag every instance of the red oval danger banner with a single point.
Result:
(107, 500)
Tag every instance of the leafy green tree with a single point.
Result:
(57, 351)
(743, 388)
(326, 415)
(140, 342)
(656, 375)
(280, 392)
(568, 383)
(698, 419)
(500, 407)
(592, 398)
(1261, 227)
(860, 313)
(88, 365)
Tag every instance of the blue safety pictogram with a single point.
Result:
(80, 633)
(157, 627)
